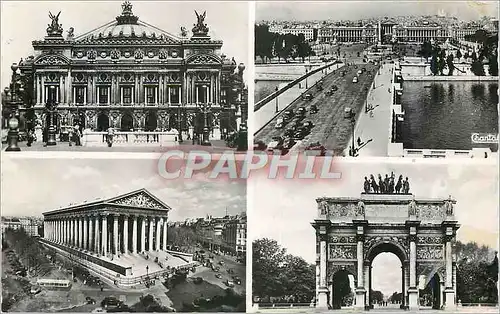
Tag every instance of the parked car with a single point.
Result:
(279, 123)
(307, 96)
(288, 144)
(99, 310)
(219, 276)
(316, 148)
(259, 145)
(289, 131)
(360, 72)
(301, 112)
(237, 280)
(90, 300)
(110, 302)
(355, 79)
(308, 125)
(229, 283)
(313, 109)
(287, 116)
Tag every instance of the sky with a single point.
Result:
(227, 21)
(284, 211)
(353, 10)
(33, 186)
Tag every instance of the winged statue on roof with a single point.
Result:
(200, 28)
(54, 28)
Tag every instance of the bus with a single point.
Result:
(54, 283)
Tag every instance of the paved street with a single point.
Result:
(376, 126)
(267, 112)
(330, 129)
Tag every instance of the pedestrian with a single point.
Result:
(71, 136)
(45, 136)
(78, 135)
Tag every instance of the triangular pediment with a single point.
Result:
(141, 199)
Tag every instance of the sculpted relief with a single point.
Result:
(372, 241)
(343, 239)
(430, 240)
(430, 212)
(139, 200)
(430, 252)
(342, 252)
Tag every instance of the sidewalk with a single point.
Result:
(376, 127)
(268, 111)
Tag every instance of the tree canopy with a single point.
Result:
(277, 275)
(284, 46)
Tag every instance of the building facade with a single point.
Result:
(115, 237)
(351, 232)
(132, 76)
(342, 34)
(10, 223)
(234, 235)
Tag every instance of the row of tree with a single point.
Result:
(281, 277)
(282, 46)
(487, 53)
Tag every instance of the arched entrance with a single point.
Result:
(385, 272)
(151, 121)
(342, 292)
(102, 122)
(127, 122)
(352, 231)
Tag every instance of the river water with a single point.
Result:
(265, 88)
(442, 115)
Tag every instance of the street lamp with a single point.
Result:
(277, 108)
(206, 131)
(51, 109)
(351, 116)
(13, 123)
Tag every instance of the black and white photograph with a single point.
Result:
(96, 238)
(377, 78)
(388, 237)
(124, 75)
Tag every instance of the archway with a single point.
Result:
(102, 122)
(431, 295)
(353, 231)
(151, 122)
(343, 289)
(127, 122)
(386, 278)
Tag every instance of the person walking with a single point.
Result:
(78, 135)
(71, 135)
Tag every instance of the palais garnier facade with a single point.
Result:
(132, 76)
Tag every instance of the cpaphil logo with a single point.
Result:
(484, 138)
(188, 161)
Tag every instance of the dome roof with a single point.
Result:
(127, 26)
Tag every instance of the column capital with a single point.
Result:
(360, 238)
(412, 238)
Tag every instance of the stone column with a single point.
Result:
(104, 228)
(157, 240)
(412, 289)
(97, 235)
(449, 290)
(151, 226)
(164, 234)
(71, 231)
(125, 234)
(80, 232)
(143, 234)
(366, 283)
(85, 232)
(134, 235)
(360, 289)
(90, 222)
(322, 302)
(116, 248)
(403, 286)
